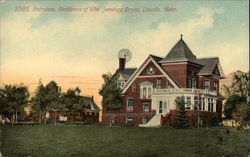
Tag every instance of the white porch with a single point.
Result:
(163, 100)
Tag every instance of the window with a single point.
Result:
(150, 71)
(158, 83)
(207, 84)
(188, 102)
(191, 82)
(134, 87)
(129, 120)
(130, 104)
(145, 106)
(144, 120)
(203, 103)
(212, 105)
(209, 104)
(120, 83)
(160, 106)
(196, 103)
(178, 98)
(145, 89)
(215, 86)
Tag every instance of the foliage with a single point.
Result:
(241, 114)
(72, 102)
(214, 121)
(39, 102)
(111, 93)
(237, 105)
(13, 99)
(239, 85)
(182, 121)
(231, 104)
(46, 99)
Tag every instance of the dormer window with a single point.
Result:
(120, 84)
(150, 71)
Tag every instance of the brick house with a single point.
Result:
(150, 90)
(89, 111)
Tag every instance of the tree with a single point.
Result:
(39, 102)
(14, 99)
(54, 97)
(182, 121)
(241, 114)
(237, 103)
(3, 106)
(239, 84)
(231, 103)
(111, 93)
(71, 100)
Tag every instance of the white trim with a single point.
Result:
(165, 74)
(143, 76)
(132, 104)
(139, 70)
(220, 69)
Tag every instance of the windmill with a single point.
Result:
(124, 56)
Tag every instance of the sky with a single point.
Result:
(76, 48)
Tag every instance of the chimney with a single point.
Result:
(122, 64)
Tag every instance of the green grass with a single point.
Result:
(101, 141)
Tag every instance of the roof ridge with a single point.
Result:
(155, 56)
(213, 57)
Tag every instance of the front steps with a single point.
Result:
(154, 122)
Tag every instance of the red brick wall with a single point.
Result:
(178, 72)
(137, 112)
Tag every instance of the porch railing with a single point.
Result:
(183, 90)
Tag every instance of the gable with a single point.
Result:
(150, 70)
(216, 70)
(139, 71)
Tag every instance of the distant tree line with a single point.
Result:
(47, 99)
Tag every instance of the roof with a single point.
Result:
(52, 83)
(208, 65)
(89, 101)
(180, 52)
(126, 73)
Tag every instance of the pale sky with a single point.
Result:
(75, 49)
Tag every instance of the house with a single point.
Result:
(87, 108)
(90, 111)
(150, 91)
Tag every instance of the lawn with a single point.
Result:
(101, 141)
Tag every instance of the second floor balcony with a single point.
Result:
(162, 91)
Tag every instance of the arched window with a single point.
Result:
(146, 88)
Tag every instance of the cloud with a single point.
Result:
(161, 39)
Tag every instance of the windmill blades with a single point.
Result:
(126, 54)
